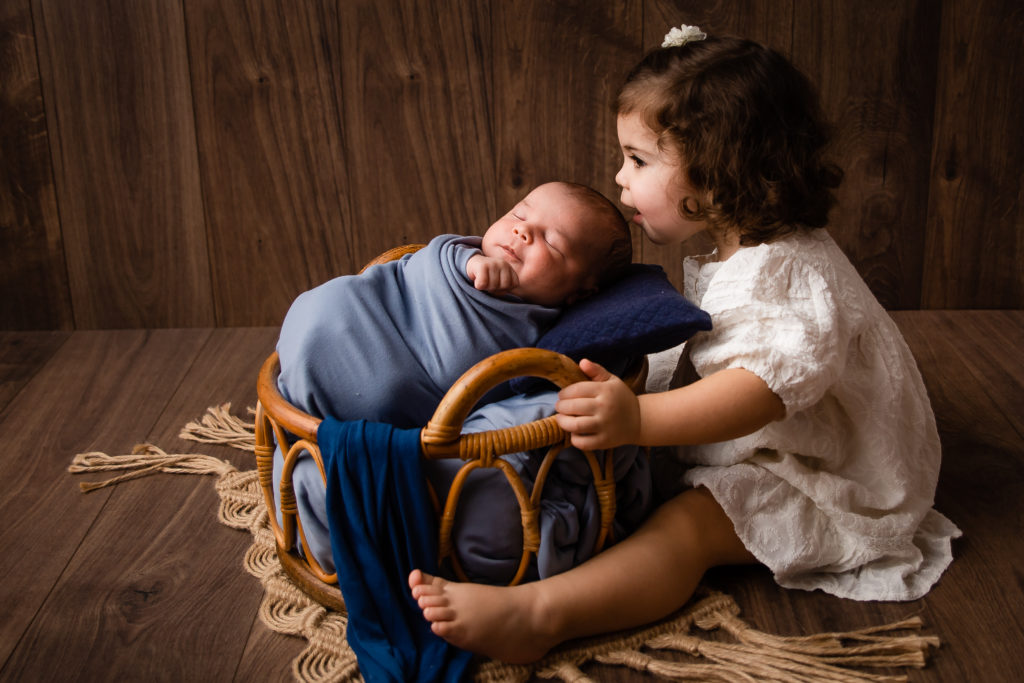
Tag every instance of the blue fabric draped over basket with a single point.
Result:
(383, 526)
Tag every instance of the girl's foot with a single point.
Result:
(504, 623)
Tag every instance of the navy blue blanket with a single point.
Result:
(382, 527)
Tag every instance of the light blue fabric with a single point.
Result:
(388, 344)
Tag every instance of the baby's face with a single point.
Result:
(543, 238)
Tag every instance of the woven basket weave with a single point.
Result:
(442, 437)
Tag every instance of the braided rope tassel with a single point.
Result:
(144, 460)
(219, 426)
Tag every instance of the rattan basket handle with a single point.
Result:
(440, 438)
(288, 416)
(393, 254)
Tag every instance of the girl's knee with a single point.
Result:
(706, 529)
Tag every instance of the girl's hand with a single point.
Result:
(491, 275)
(602, 413)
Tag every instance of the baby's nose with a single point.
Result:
(523, 232)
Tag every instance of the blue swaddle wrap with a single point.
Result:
(383, 526)
(408, 328)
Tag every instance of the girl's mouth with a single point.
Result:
(638, 218)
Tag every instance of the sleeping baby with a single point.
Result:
(387, 344)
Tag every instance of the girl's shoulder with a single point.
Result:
(769, 269)
(804, 272)
(814, 249)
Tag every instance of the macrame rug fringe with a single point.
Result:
(716, 646)
(218, 426)
(144, 460)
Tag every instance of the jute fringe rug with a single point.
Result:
(739, 653)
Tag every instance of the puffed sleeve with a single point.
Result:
(777, 317)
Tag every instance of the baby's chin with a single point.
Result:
(545, 299)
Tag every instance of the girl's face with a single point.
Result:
(653, 183)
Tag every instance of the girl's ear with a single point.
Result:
(690, 207)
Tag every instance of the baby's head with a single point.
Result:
(564, 242)
(747, 128)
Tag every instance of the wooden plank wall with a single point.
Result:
(200, 162)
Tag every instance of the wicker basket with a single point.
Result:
(442, 437)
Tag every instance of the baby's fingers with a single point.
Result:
(509, 279)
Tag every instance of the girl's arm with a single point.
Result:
(604, 412)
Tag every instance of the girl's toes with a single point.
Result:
(425, 601)
(439, 614)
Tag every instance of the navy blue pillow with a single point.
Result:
(638, 314)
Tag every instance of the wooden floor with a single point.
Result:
(141, 583)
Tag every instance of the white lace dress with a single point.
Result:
(838, 495)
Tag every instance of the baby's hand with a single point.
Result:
(602, 413)
(491, 275)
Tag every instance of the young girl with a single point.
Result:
(812, 445)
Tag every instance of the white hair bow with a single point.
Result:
(683, 35)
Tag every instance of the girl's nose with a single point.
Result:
(620, 177)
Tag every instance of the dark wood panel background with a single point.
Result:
(200, 162)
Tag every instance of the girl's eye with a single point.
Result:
(637, 161)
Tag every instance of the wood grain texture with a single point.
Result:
(275, 182)
(137, 581)
(557, 67)
(882, 112)
(33, 277)
(980, 596)
(975, 345)
(417, 120)
(99, 391)
(268, 655)
(974, 252)
(119, 115)
(22, 354)
(201, 162)
(975, 386)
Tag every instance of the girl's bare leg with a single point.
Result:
(641, 579)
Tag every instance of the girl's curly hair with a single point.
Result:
(748, 128)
